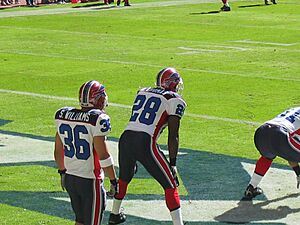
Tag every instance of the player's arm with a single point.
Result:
(59, 153)
(59, 159)
(296, 168)
(173, 143)
(173, 138)
(107, 164)
(106, 160)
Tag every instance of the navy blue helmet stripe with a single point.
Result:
(86, 91)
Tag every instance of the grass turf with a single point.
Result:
(240, 65)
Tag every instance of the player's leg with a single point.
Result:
(158, 166)
(94, 200)
(263, 139)
(127, 164)
(71, 183)
(126, 3)
(225, 6)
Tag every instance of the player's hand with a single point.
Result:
(62, 174)
(298, 181)
(114, 188)
(63, 181)
(174, 172)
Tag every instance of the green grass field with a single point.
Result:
(240, 69)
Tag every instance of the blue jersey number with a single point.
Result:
(291, 118)
(150, 107)
(105, 124)
(73, 144)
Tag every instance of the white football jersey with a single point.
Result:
(76, 129)
(151, 109)
(290, 119)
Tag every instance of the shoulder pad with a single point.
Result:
(170, 94)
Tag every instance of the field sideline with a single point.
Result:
(239, 68)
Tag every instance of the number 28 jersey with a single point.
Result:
(76, 129)
(151, 109)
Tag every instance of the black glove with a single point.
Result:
(114, 188)
(62, 174)
(174, 172)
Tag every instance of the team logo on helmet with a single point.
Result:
(92, 94)
(169, 79)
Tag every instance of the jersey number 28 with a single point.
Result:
(145, 109)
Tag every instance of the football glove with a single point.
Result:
(62, 174)
(174, 172)
(114, 188)
(298, 181)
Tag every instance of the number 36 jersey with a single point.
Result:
(76, 129)
(151, 109)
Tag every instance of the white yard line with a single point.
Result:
(280, 207)
(193, 115)
(40, 12)
(145, 64)
(264, 43)
(94, 8)
(209, 48)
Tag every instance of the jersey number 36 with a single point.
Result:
(73, 144)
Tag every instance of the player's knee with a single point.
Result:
(172, 198)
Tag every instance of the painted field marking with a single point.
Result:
(264, 43)
(207, 117)
(210, 48)
(281, 207)
(101, 35)
(279, 187)
(146, 65)
(92, 9)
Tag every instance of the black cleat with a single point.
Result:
(267, 2)
(274, 1)
(127, 4)
(118, 2)
(116, 218)
(252, 192)
(225, 8)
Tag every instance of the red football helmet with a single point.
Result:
(169, 79)
(92, 94)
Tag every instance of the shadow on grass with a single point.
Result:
(205, 176)
(250, 6)
(101, 5)
(204, 13)
(247, 211)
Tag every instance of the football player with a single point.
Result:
(225, 7)
(267, 2)
(277, 137)
(152, 111)
(81, 153)
(126, 2)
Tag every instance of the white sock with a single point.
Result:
(177, 217)
(116, 206)
(255, 179)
